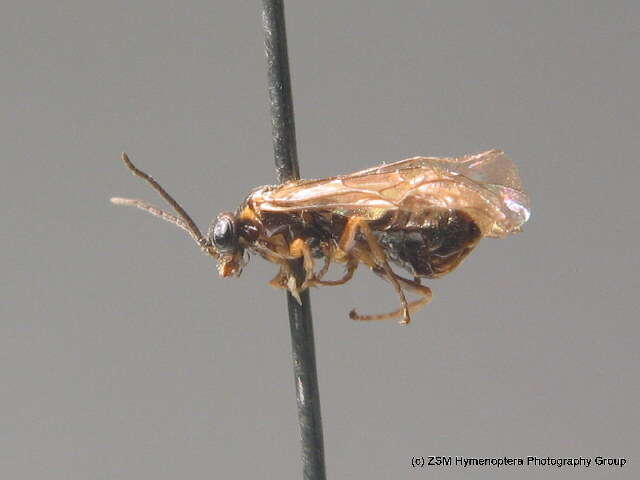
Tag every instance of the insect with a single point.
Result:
(422, 214)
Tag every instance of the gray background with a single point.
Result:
(124, 356)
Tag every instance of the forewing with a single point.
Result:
(485, 185)
(492, 166)
(369, 196)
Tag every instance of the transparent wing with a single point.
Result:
(485, 185)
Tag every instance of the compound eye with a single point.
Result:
(223, 234)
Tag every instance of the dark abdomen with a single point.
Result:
(432, 245)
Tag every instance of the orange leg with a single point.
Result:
(325, 268)
(285, 278)
(300, 248)
(413, 285)
(348, 237)
(285, 274)
(345, 244)
(280, 280)
(327, 251)
(378, 260)
(351, 268)
(381, 261)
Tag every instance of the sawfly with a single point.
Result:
(422, 214)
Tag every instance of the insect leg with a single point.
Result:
(416, 287)
(381, 260)
(413, 285)
(348, 237)
(300, 248)
(351, 268)
(280, 280)
(327, 252)
(325, 268)
(345, 246)
(424, 292)
(285, 278)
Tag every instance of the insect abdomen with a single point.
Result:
(433, 247)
